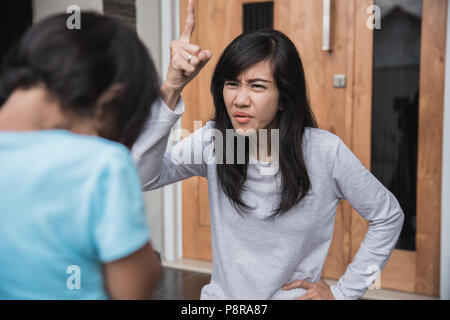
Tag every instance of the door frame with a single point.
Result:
(445, 204)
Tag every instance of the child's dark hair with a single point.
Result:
(77, 66)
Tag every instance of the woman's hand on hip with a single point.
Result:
(314, 291)
(186, 61)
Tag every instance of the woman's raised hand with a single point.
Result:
(186, 61)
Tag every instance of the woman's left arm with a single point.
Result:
(376, 204)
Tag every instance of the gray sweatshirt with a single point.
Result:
(252, 256)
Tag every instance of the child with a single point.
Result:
(72, 220)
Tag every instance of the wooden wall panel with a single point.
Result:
(400, 260)
(218, 22)
(412, 271)
(429, 162)
(196, 238)
(302, 22)
(361, 128)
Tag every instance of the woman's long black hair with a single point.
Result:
(287, 69)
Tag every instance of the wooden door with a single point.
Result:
(408, 270)
(344, 111)
(218, 22)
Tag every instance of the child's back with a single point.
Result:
(71, 208)
(65, 200)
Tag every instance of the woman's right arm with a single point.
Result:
(157, 167)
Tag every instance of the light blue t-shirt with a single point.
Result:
(68, 203)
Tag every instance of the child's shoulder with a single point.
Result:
(101, 145)
(89, 152)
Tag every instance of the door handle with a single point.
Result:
(326, 21)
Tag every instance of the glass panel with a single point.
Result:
(258, 16)
(396, 66)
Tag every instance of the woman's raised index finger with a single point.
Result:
(189, 24)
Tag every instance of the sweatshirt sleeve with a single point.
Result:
(380, 208)
(159, 164)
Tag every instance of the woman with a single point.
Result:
(72, 219)
(270, 233)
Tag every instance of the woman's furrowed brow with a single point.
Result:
(257, 80)
(250, 80)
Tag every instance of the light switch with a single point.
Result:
(339, 80)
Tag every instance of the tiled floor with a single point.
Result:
(180, 285)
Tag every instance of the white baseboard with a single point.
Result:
(189, 265)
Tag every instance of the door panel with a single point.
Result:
(218, 22)
(302, 22)
(413, 271)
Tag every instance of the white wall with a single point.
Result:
(172, 197)
(148, 25)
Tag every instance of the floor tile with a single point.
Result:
(180, 285)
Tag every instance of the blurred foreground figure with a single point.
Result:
(72, 218)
